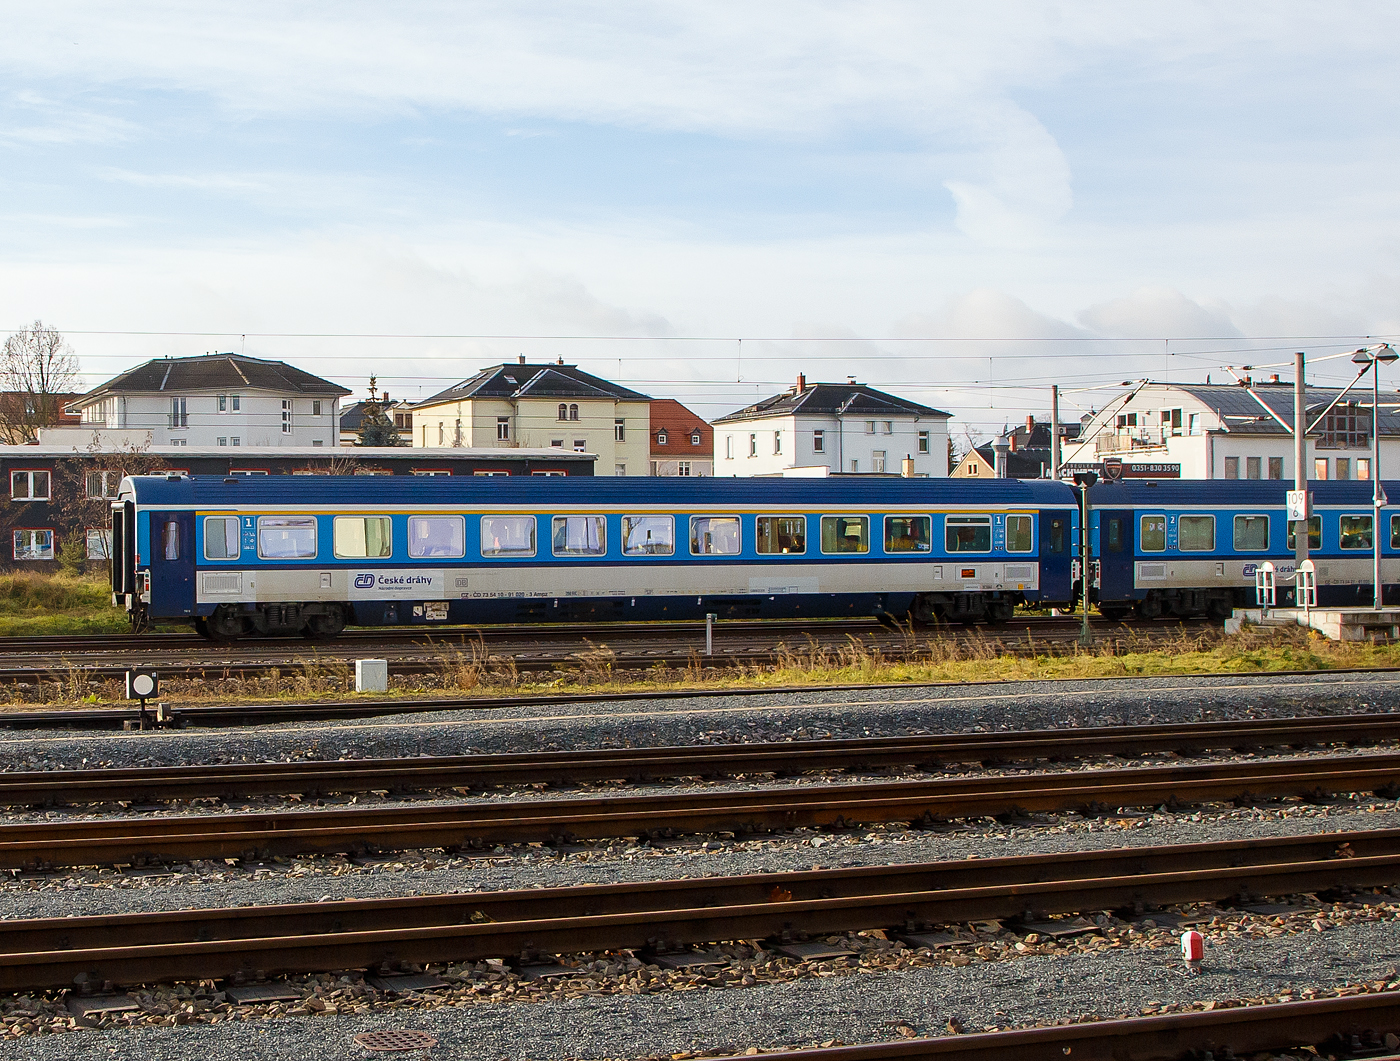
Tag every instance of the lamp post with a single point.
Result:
(1084, 480)
(1373, 358)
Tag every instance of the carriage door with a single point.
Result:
(1116, 554)
(1056, 549)
(172, 564)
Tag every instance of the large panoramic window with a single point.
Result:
(1195, 534)
(1356, 532)
(286, 537)
(714, 535)
(363, 536)
(967, 534)
(507, 535)
(648, 535)
(1251, 534)
(580, 535)
(845, 534)
(781, 534)
(908, 534)
(442, 537)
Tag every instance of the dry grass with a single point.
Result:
(34, 604)
(473, 671)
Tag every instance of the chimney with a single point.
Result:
(522, 359)
(906, 467)
(801, 383)
(1011, 440)
(560, 361)
(1274, 378)
(1030, 426)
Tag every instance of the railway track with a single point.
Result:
(623, 646)
(358, 934)
(482, 824)
(314, 777)
(1350, 1027)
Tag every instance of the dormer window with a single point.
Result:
(661, 438)
(695, 439)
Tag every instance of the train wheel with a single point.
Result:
(225, 624)
(999, 613)
(328, 625)
(201, 627)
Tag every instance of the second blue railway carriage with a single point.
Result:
(1192, 548)
(311, 554)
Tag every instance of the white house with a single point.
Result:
(207, 402)
(821, 428)
(1239, 431)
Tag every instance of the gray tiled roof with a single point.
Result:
(533, 381)
(1243, 415)
(213, 372)
(832, 399)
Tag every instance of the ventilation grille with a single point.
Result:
(1019, 572)
(221, 582)
(1152, 570)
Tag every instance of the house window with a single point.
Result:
(1346, 428)
(695, 438)
(1343, 467)
(1232, 467)
(818, 441)
(580, 445)
(429, 473)
(457, 432)
(223, 403)
(502, 429)
(619, 430)
(777, 441)
(235, 402)
(753, 445)
(855, 465)
(889, 427)
(1251, 467)
(923, 442)
(870, 427)
(103, 484)
(223, 440)
(973, 468)
(619, 469)
(99, 543)
(235, 441)
(573, 412)
(317, 442)
(556, 443)
(29, 486)
(179, 412)
(729, 447)
(316, 408)
(661, 438)
(33, 545)
(683, 468)
(1275, 467)
(440, 427)
(1320, 468)
(653, 467)
(563, 411)
(286, 416)
(877, 461)
(404, 421)
(1363, 467)
(179, 442)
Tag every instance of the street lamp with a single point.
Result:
(1373, 358)
(1084, 480)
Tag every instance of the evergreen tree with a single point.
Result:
(376, 429)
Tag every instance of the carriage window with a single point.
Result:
(286, 537)
(781, 534)
(580, 535)
(1314, 533)
(1152, 535)
(221, 537)
(357, 536)
(170, 536)
(908, 534)
(1251, 534)
(648, 535)
(968, 534)
(437, 536)
(1018, 534)
(1059, 544)
(1113, 535)
(1195, 534)
(1395, 532)
(714, 535)
(1356, 532)
(845, 534)
(507, 535)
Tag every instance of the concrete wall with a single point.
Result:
(846, 446)
(258, 421)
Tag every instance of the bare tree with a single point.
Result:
(36, 366)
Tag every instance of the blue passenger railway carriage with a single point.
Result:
(311, 554)
(1192, 548)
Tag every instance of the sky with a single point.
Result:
(962, 203)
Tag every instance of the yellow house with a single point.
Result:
(523, 405)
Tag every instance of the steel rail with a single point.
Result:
(477, 824)
(228, 780)
(1246, 1030)
(462, 928)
